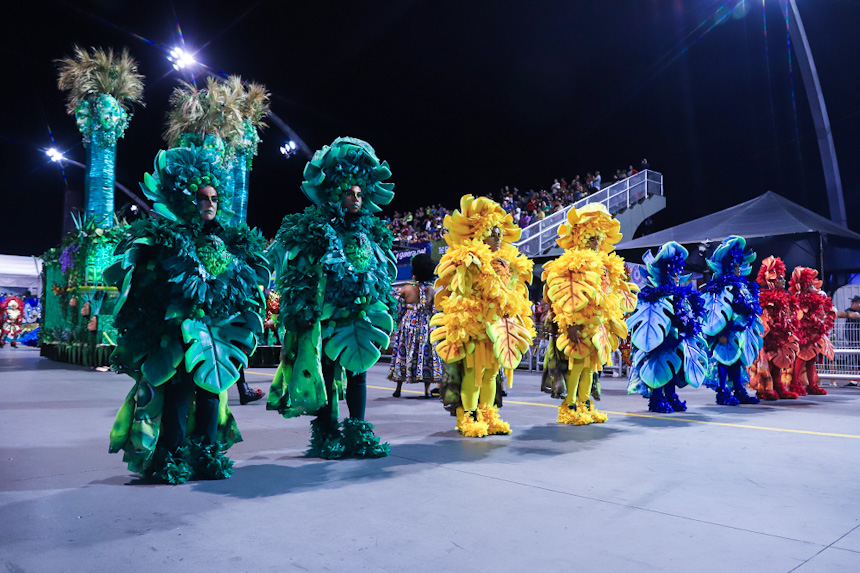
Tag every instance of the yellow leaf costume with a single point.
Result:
(588, 297)
(484, 317)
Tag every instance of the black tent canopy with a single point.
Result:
(767, 215)
(772, 225)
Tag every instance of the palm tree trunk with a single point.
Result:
(100, 179)
(240, 188)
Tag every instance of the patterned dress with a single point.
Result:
(413, 357)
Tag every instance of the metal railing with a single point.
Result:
(846, 364)
(540, 236)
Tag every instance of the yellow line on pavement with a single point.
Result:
(676, 419)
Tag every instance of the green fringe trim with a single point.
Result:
(359, 440)
(210, 461)
(169, 468)
(325, 442)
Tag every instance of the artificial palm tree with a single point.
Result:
(102, 86)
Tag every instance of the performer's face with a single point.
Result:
(351, 199)
(494, 241)
(676, 278)
(594, 243)
(207, 203)
(736, 269)
(780, 283)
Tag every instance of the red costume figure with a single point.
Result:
(779, 315)
(11, 315)
(816, 316)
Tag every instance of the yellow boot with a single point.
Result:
(596, 417)
(471, 424)
(495, 425)
(582, 416)
(572, 415)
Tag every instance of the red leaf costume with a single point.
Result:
(779, 315)
(816, 316)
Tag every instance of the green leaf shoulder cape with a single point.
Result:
(189, 301)
(334, 274)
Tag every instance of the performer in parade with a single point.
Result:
(780, 347)
(588, 297)
(815, 318)
(413, 357)
(11, 314)
(484, 315)
(732, 321)
(188, 315)
(334, 269)
(666, 332)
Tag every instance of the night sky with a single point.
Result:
(459, 97)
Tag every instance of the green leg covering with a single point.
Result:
(359, 440)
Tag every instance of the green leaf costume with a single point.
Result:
(190, 304)
(334, 271)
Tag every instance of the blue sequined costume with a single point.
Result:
(669, 350)
(732, 322)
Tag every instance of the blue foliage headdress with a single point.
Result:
(670, 260)
(730, 253)
(179, 173)
(347, 162)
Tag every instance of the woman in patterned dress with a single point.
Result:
(413, 357)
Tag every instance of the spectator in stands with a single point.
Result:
(597, 180)
(630, 171)
(644, 165)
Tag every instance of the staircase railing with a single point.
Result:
(538, 237)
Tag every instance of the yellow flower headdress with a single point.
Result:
(476, 219)
(589, 221)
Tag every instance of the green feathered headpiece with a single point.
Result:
(178, 174)
(347, 162)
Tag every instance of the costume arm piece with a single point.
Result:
(649, 325)
(573, 287)
(460, 311)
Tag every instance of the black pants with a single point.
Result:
(174, 417)
(356, 393)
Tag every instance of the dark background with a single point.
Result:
(459, 97)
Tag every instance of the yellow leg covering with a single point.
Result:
(469, 390)
(584, 404)
(487, 408)
(478, 416)
(572, 381)
(568, 412)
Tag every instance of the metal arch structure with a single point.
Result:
(820, 120)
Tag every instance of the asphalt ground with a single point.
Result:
(770, 487)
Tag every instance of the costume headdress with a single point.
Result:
(592, 220)
(347, 162)
(730, 253)
(801, 278)
(179, 173)
(14, 302)
(476, 219)
(771, 269)
(668, 262)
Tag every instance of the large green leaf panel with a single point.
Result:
(355, 345)
(217, 351)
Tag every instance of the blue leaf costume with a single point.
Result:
(188, 314)
(669, 350)
(732, 323)
(334, 271)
